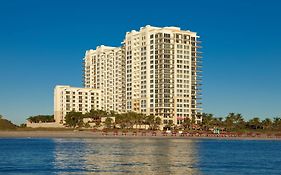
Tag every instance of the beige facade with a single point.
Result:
(162, 73)
(155, 71)
(68, 99)
(104, 70)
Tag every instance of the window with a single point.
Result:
(166, 35)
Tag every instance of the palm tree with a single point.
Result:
(111, 114)
(130, 119)
(140, 120)
(149, 120)
(186, 123)
(254, 123)
(157, 122)
(217, 122)
(238, 121)
(108, 122)
(267, 123)
(119, 120)
(229, 121)
(170, 124)
(277, 123)
(207, 120)
(74, 119)
(135, 119)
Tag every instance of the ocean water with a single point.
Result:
(139, 156)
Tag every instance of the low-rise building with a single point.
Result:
(67, 99)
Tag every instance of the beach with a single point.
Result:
(139, 135)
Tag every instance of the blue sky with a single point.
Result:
(42, 44)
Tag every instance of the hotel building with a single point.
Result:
(163, 73)
(156, 71)
(68, 99)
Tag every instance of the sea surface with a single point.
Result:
(139, 156)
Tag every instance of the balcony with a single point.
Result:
(197, 41)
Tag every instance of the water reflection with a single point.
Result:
(122, 156)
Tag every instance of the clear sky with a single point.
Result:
(42, 44)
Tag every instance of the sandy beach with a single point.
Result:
(139, 135)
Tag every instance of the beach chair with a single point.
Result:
(239, 134)
(153, 133)
(104, 133)
(115, 133)
(278, 135)
(134, 133)
(249, 134)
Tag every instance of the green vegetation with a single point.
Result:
(233, 122)
(6, 124)
(236, 122)
(108, 122)
(74, 119)
(123, 121)
(41, 119)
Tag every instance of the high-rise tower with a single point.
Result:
(103, 69)
(163, 73)
(155, 72)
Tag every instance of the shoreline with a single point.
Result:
(129, 135)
